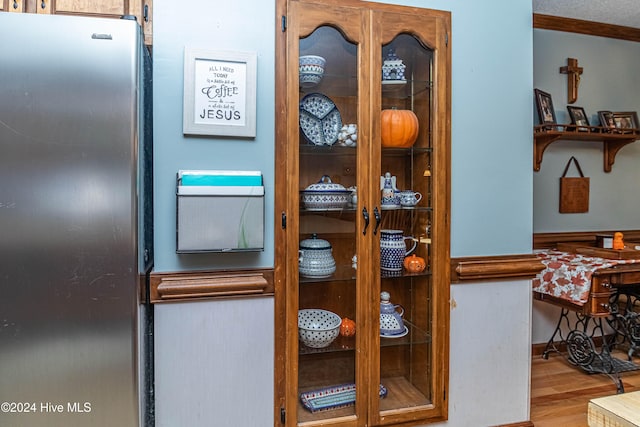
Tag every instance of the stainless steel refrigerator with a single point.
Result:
(75, 222)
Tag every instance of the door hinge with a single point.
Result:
(283, 415)
(283, 23)
(284, 220)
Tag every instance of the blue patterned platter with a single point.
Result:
(320, 120)
(332, 397)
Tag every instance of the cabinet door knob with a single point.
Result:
(43, 5)
(365, 215)
(376, 215)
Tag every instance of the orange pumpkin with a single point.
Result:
(414, 264)
(347, 327)
(399, 128)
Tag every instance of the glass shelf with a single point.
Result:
(335, 149)
(413, 337)
(405, 151)
(342, 274)
(333, 85)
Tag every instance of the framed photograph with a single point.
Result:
(578, 117)
(219, 93)
(625, 120)
(546, 114)
(606, 120)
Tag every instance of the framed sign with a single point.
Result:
(219, 93)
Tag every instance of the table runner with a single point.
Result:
(568, 275)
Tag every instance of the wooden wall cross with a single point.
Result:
(573, 79)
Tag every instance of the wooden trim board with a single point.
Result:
(557, 23)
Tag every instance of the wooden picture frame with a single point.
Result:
(626, 120)
(544, 103)
(606, 120)
(579, 118)
(219, 93)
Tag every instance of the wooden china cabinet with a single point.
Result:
(401, 378)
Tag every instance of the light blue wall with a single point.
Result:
(491, 200)
(241, 25)
(610, 81)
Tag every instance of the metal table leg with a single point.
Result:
(582, 351)
(625, 320)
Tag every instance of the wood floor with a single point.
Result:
(560, 392)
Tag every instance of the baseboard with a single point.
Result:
(520, 424)
(538, 349)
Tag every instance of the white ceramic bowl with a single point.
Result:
(318, 328)
(311, 69)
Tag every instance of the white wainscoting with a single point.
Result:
(214, 363)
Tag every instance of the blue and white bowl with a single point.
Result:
(311, 69)
(318, 328)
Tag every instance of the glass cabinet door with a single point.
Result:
(407, 161)
(365, 235)
(325, 54)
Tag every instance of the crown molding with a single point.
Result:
(548, 22)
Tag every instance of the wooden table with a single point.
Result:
(601, 293)
(620, 410)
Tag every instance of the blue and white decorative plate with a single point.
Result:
(333, 397)
(320, 120)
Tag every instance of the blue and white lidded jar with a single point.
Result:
(315, 258)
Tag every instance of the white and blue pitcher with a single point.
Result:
(393, 249)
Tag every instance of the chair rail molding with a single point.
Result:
(523, 266)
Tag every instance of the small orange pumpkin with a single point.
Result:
(347, 327)
(618, 240)
(414, 264)
(399, 128)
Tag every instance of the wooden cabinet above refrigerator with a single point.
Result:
(141, 9)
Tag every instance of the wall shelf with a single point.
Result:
(613, 141)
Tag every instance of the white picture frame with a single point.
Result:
(219, 93)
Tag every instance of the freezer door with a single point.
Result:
(68, 221)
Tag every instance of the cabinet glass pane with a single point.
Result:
(406, 310)
(327, 227)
